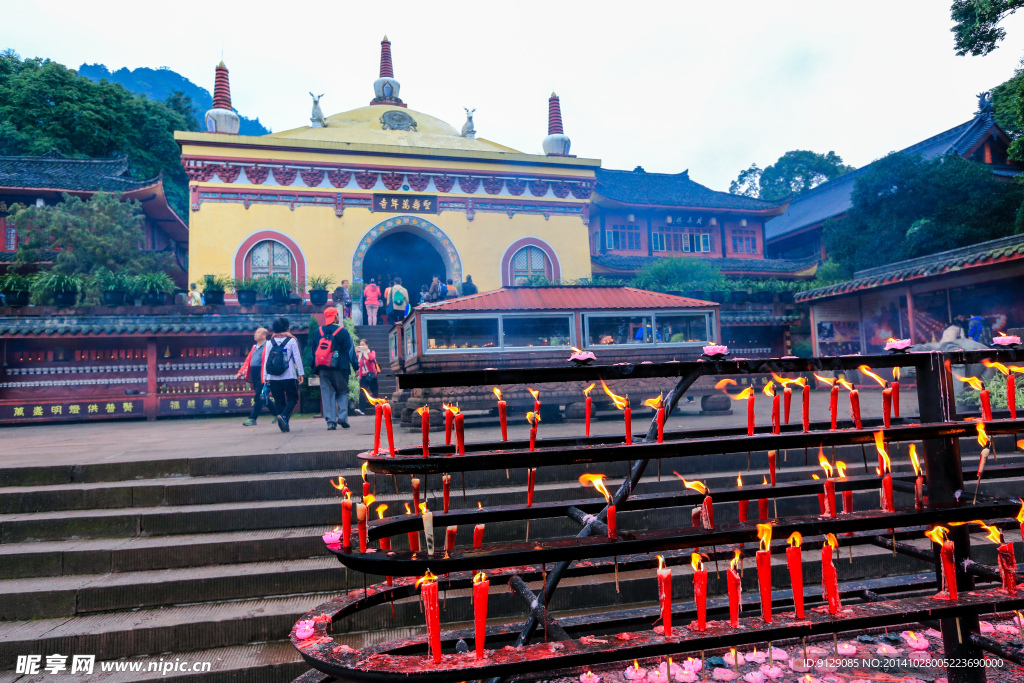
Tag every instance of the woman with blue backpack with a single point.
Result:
(283, 372)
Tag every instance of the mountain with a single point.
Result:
(157, 84)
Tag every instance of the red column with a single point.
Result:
(151, 404)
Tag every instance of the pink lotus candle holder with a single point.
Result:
(693, 665)
(846, 649)
(590, 677)
(772, 672)
(778, 654)
(1006, 340)
(756, 657)
(754, 677)
(582, 357)
(716, 350)
(635, 673)
(721, 674)
(898, 345)
(332, 537)
(304, 629)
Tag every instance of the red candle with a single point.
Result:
(886, 406)
(919, 482)
(821, 497)
(414, 536)
(627, 418)
(387, 426)
(833, 404)
(1011, 395)
(534, 419)
(361, 519)
(612, 523)
(794, 559)
(597, 481)
(734, 590)
(764, 570)
(536, 399)
(787, 401)
(385, 541)
(378, 415)
(742, 505)
(700, 590)
(696, 517)
(750, 411)
(502, 414)
(661, 424)
(855, 408)
(481, 587)
(478, 535)
(773, 457)
(707, 515)
(428, 592)
(446, 489)
(531, 480)
(807, 407)
(589, 403)
(887, 500)
(830, 497)
(424, 414)
(896, 392)
(847, 495)
(346, 522)
(665, 595)
(415, 494)
(460, 433)
(829, 577)
(986, 406)
(1008, 567)
(762, 503)
(449, 538)
(448, 416)
(938, 535)
(769, 390)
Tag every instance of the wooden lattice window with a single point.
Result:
(269, 258)
(530, 262)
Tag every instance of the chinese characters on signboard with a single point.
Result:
(405, 203)
(77, 410)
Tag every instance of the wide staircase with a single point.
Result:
(376, 337)
(213, 559)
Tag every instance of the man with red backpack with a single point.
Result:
(333, 359)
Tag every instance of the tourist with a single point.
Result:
(468, 287)
(371, 299)
(424, 294)
(386, 316)
(399, 300)
(252, 372)
(343, 299)
(438, 291)
(367, 373)
(334, 380)
(195, 298)
(284, 386)
(452, 292)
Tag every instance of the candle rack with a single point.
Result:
(875, 603)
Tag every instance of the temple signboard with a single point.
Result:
(405, 203)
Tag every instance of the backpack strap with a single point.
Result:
(340, 328)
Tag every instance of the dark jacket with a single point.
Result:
(342, 343)
(468, 288)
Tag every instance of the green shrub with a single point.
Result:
(157, 282)
(245, 284)
(317, 283)
(105, 280)
(996, 385)
(680, 274)
(215, 283)
(278, 284)
(12, 282)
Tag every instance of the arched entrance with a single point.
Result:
(409, 247)
(405, 255)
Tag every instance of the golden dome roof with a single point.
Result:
(390, 125)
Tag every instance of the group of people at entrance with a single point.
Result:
(395, 304)
(274, 368)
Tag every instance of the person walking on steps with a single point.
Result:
(399, 301)
(252, 372)
(283, 372)
(371, 297)
(367, 373)
(333, 359)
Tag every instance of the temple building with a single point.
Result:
(383, 190)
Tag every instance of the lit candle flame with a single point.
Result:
(764, 480)
(408, 510)
(479, 505)
(661, 562)
(697, 486)
(824, 463)
(381, 509)
(423, 508)
(654, 402)
(982, 435)
(799, 381)
(914, 460)
(764, 535)
(832, 540)
(479, 577)
(426, 578)
(362, 470)
(841, 467)
(896, 374)
(742, 396)
(994, 534)
(368, 499)
(535, 393)
(695, 562)
(880, 447)
(973, 382)
(424, 409)
(826, 380)
(937, 534)
(734, 563)
(867, 371)
(795, 539)
(586, 392)
(815, 477)
(998, 366)
(451, 408)
(348, 495)
(769, 389)
(497, 392)
(844, 384)
(636, 666)
(597, 481)
(340, 485)
(372, 400)
(621, 402)
(739, 480)
(533, 418)
(1020, 514)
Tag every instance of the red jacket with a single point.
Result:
(246, 366)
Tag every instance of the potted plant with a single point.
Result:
(719, 296)
(786, 290)
(276, 287)
(213, 287)
(763, 292)
(318, 286)
(153, 288)
(16, 288)
(246, 289)
(740, 292)
(63, 289)
(112, 286)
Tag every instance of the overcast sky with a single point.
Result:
(705, 86)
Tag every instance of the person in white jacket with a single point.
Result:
(284, 387)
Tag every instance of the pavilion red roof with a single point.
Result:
(564, 299)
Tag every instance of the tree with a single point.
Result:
(46, 106)
(182, 103)
(1006, 100)
(679, 274)
(795, 171)
(906, 206)
(87, 235)
(976, 29)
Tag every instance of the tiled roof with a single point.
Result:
(56, 172)
(135, 325)
(831, 199)
(675, 190)
(631, 264)
(556, 298)
(986, 253)
(756, 318)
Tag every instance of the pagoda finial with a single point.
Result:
(221, 118)
(557, 142)
(385, 88)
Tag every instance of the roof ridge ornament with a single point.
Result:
(985, 103)
(386, 87)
